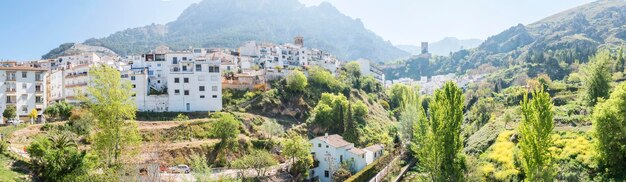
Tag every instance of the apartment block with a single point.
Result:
(24, 88)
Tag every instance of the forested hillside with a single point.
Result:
(552, 45)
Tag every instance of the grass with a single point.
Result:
(9, 169)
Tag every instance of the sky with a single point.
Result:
(31, 28)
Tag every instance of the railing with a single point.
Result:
(76, 85)
(10, 79)
(10, 90)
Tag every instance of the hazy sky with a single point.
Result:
(30, 28)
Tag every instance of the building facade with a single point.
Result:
(24, 88)
(166, 81)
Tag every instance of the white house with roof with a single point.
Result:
(330, 151)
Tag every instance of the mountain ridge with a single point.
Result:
(223, 23)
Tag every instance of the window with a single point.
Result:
(24, 109)
(150, 72)
(214, 96)
(188, 107)
(326, 173)
(340, 158)
(132, 77)
(202, 96)
(184, 68)
(186, 80)
(158, 81)
(134, 86)
(159, 65)
(24, 74)
(326, 146)
(198, 67)
(176, 91)
(175, 60)
(319, 145)
(201, 88)
(24, 85)
(186, 92)
(214, 88)
(214, 69)
(176, 80)
(184, 58)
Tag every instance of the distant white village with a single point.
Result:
(164, 80)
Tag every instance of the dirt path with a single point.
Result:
(157, 125)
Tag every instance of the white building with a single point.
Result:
(367, 69)
(330, 151)
(23, 87)
(176, 81)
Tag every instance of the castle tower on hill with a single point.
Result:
(299, 41)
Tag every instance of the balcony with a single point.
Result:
(10, 91)
(10, 78)
(76, 85)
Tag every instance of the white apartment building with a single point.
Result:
(23, 87)
(176, 81)
(330, 151)
(367, 69)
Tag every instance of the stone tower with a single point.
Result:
(299, 41)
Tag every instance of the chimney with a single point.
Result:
(325, 135)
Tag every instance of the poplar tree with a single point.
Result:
(535, 128)
(109, 99)
(437, 142)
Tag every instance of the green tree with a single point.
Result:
(321, 77)
(61, 110)
(56, 158)
(200, 166)
(330, 111)
(296, 81)
(109, 99)
(437, 142)
(226, 128)
(369, 84)
(351, 74)
(272, 129)
(9, 112)
(597, 77)
(297, 149)
(535, 128)
(609, 126)
(258, 160)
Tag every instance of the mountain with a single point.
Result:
(77, 48)
(227, 23)
(549, 46)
